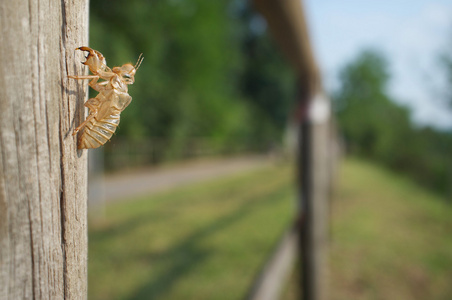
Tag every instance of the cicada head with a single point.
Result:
(127, 71)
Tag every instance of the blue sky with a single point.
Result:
(410, 33)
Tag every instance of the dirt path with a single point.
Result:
(121, 187)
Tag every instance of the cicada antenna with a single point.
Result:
(140, 59)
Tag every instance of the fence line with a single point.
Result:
(125, 154)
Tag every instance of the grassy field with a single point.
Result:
(207, 241)
(391, 239)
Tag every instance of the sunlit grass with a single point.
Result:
(391, 239)
(207, 241)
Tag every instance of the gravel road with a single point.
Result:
(120, 187)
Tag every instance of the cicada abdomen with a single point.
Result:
(98, 132)
(104, 115)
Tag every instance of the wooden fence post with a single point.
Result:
(315, 172)
(43, 177)
(286, 20)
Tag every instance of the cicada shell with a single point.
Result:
(105, 109)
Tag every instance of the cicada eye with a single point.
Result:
(127, 76)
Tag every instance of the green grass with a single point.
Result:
(207, 241)
(391, 239)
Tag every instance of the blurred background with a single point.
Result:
(210, 69)
(193, 193)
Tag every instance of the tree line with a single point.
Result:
(375, 126)
(210, 73)
(212, 76)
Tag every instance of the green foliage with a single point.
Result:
(190, 83)
(368, 117)
(375, 126)
(445, 60)
(266, 81)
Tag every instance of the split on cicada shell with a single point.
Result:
(113, 98)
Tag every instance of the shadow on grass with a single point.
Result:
(185, 255)
(123, 227)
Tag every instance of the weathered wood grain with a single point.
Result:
(43, 194)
